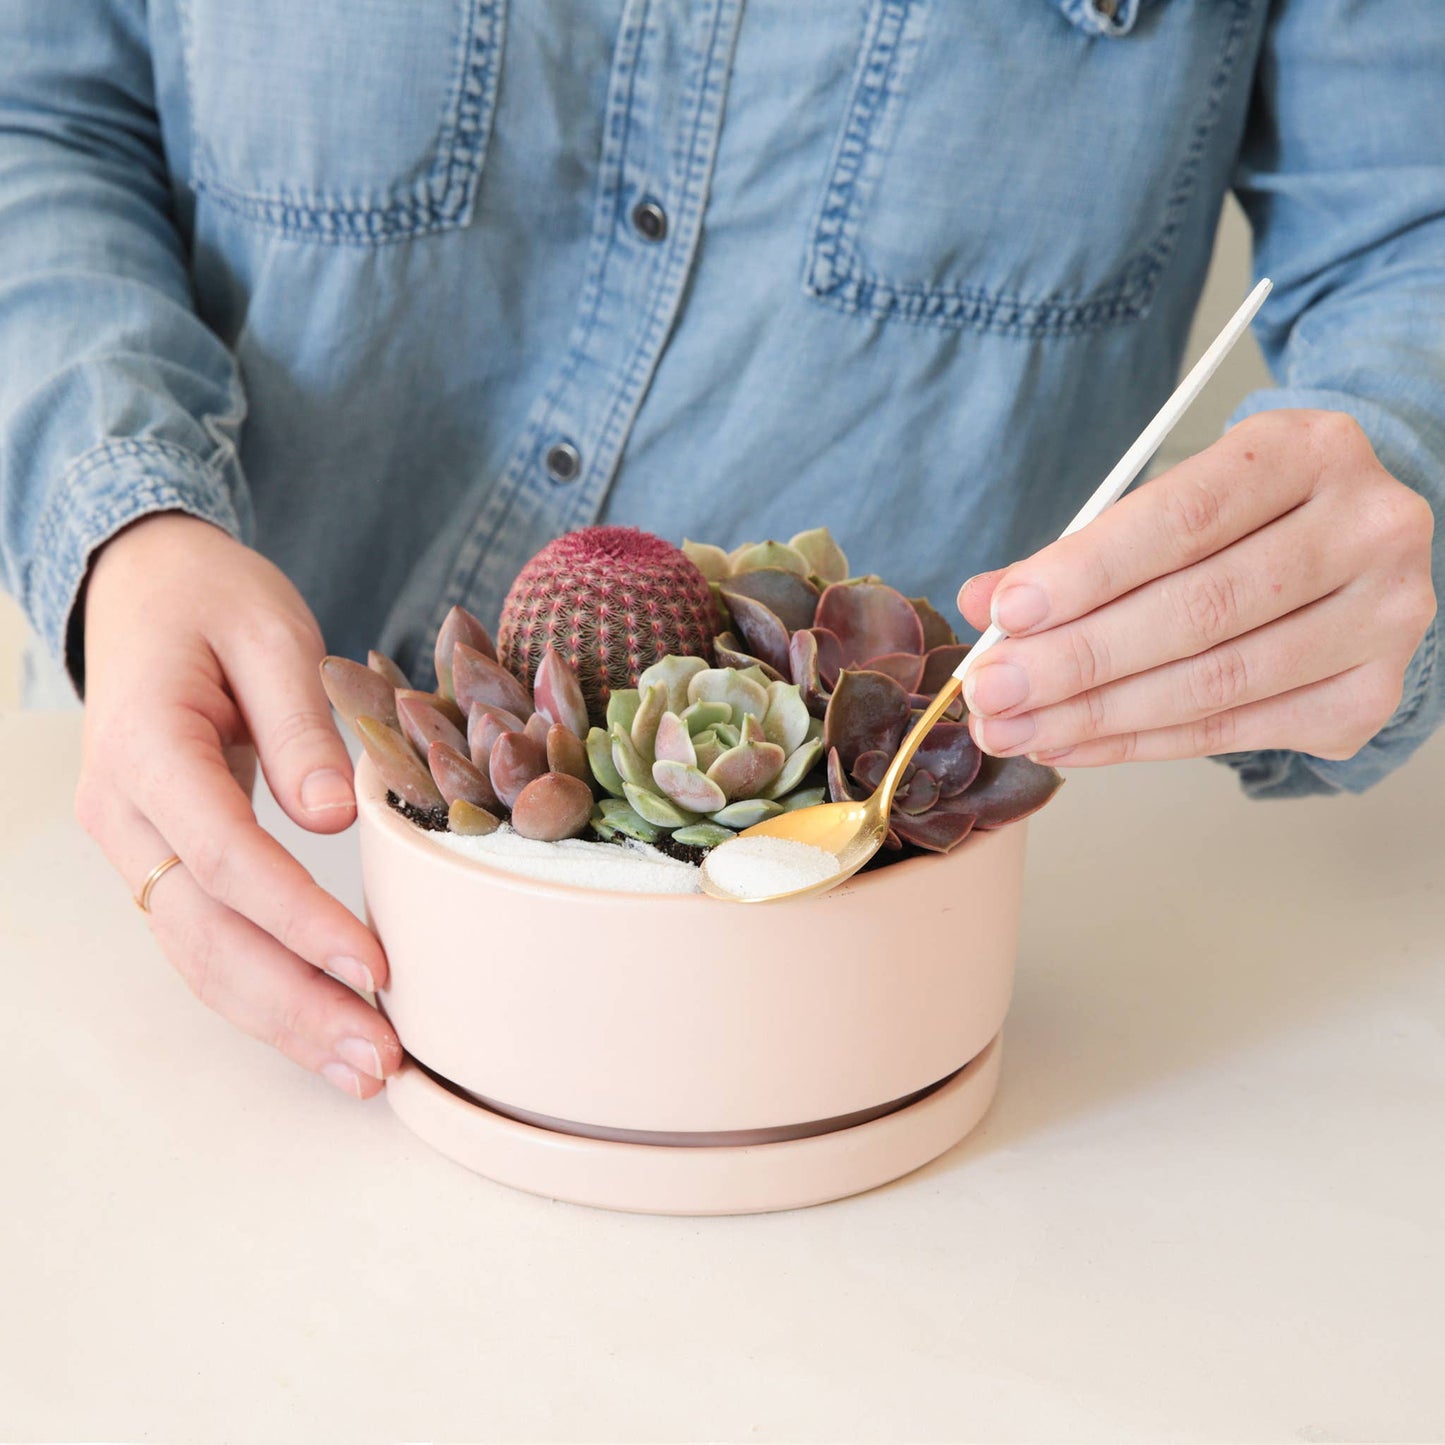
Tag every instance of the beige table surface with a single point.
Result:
(1208, 1204)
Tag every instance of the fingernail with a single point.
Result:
(352, 971)
(346, 1079)
(1019, 607)
(325, 790)
(1006, 734)
(995, 687)
(363, 1054)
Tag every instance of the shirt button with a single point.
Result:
(1107, 8)
(650, 220)
(563, 462)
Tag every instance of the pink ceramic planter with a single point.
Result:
(681, 1055)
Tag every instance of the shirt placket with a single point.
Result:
(660, 134)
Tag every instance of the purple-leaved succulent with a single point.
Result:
(865, 660)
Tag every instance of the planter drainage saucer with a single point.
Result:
(696, 1178)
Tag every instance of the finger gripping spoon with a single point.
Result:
(852, 832)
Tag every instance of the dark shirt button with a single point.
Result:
(650, 220)
(1107, 8)
(564, 461)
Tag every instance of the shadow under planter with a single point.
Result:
(678, 1055)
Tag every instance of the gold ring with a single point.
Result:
(143, 898)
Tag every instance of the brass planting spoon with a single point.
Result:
(853, 832)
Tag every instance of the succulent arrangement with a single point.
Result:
(675, 696)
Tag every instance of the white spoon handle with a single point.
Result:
(1150, 439)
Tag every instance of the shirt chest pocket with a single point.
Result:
(1024, 167)
(358, 121)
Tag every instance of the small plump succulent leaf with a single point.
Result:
(786, 720)
(444, 705)
(397, 763)
(762, 631)
(673, 741)
(485, 728)
(869, 620)
(919, 794)
(754, 555)
(672, 674)
(936, 629)
(727, 734)
(685, 785)
(839, 789)
(552, 807)
(707, 748)
(599, 759)
(712, 562)
(356, 691)
(457, 777)
(422, 725)
(867, 710)
(868, 768)
(703, 835)
(700, 716)
(557, 694)
(470, 821)
(458, 626)
(792, 599)
(905, 668)
(566, 753)
(803, 669)
(1006, 790)
(537, 728)
(939, 831)
(477, 678)
(649, 715)
(622, 707)
(746, 770)
(825, 558)
(729, 651)
(743, 695)
(804, 798)
(383, 666)
(747, 811)
(515, 761)
(950, 754)
(658, 810)
(632, 824)
(799, 764)
(629, 763)
(939, 664)
(600, 827)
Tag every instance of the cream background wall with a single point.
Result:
(1228, 281)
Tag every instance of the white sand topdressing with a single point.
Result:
(629, 868)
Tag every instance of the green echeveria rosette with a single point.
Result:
(699, 752)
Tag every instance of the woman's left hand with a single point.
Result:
(1266, 593)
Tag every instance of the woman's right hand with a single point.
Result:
(197, 649)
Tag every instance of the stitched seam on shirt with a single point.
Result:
(850, 289)
(647, 351)
(497, 505)
(440, 200)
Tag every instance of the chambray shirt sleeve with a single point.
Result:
(1343, 177)
(115, 399)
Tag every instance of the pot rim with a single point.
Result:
(371, 797)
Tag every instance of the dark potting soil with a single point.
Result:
(434, 820)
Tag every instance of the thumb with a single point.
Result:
(277, 687)
(974, 596)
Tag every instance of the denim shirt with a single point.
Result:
(398, 291)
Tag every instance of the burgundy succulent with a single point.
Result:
(865, 659)
(612, 601)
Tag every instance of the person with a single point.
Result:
(317, 319)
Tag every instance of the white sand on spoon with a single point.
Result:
(764, 867)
